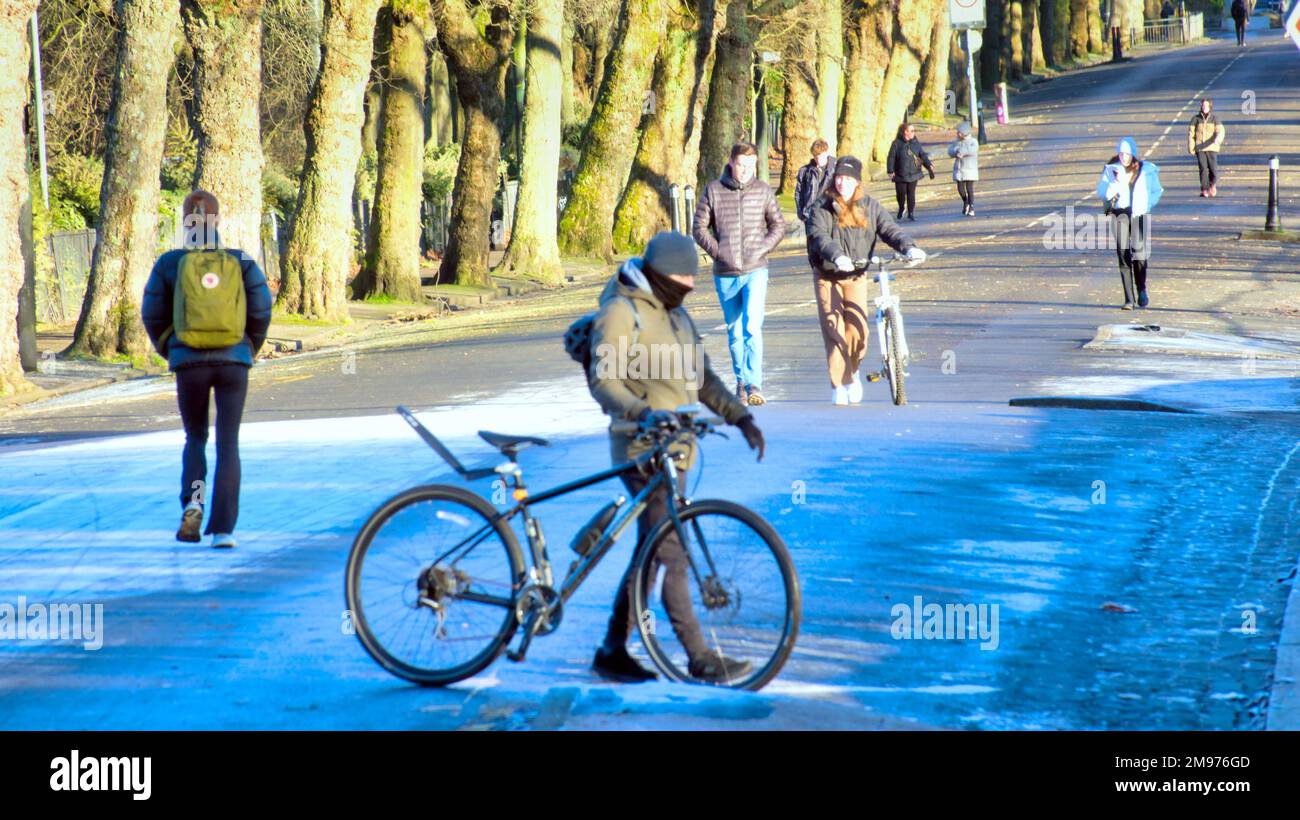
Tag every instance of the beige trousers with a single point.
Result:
(842, 307)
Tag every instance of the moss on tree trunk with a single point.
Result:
(318, 255)
(586, 227)
(226, 38)
(14, 188)
(934, 73)
(110, 321)
(1078, 28)
(1096, 44)
(534, 252)
(799, 125)
(392, 265)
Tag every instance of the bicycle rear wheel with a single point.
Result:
(431, 583)
(743, 591)
(894, 357)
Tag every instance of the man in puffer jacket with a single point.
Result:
(641, 310)
(738, 223)
(1204, 139)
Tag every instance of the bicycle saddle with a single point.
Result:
(511, 444)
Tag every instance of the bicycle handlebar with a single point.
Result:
(688, 422)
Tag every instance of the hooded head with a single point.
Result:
(1128, 145)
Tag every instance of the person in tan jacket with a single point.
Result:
(647, 360)
(1204, 139)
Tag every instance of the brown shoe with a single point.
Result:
(191, 521)
(755, 397)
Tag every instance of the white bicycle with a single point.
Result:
(889, 328)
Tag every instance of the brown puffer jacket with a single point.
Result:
(738, 225)
(1204, 133)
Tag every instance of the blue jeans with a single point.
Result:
(743, 300)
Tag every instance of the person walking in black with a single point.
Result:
(813, 179)
(906, 162)
(1240, 15)
(179, 284)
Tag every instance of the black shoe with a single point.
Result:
(899, 217)
(618, 665)
(191, 521)
(1143, 301)
(911, 218)
(718, 668)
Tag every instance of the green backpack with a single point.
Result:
(208, 307)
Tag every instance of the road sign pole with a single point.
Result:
(970, 77)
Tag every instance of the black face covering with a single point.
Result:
(668, 291)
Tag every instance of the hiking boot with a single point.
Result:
(223, 540)
(618, 665)
(742, 393)
(191, 521)
(718, 668)
(755, 396)
(1143, 301)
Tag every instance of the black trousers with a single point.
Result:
(676, 589)
(229, 383)
(1208, 163)
(966, 190)
(1133, 247)
(906, 193)
(1241, 29)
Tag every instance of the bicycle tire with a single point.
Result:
(467, 505)
(662, 655)
(894, 334)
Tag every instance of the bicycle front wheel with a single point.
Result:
(894, 357)
(736, 588)
(431, 584)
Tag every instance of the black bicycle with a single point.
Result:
(437, 584)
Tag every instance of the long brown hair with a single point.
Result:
(850, 215)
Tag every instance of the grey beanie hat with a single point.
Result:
(672, 254)
(963, 130)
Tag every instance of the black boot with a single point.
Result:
(617, 665)
(715, 667)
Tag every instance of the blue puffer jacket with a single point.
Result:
(156, 311)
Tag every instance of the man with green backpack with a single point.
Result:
(207, 310)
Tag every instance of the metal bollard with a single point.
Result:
(675, 194)
(984, 137)
(1272, 221)
(689, 193)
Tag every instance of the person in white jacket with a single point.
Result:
(1130, 189)
(965, 167)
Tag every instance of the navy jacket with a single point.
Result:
(157, 314)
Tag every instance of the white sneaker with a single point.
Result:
(855, 391)
(840, 396)
(223, 540)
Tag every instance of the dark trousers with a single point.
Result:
(906, 193)
(676, 589)
(1133, 247)
(1208, 163)
(1241, 29)
(966, 190)
(229, 382)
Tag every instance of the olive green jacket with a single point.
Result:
(645, 356)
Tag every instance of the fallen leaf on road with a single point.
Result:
(1111, 606)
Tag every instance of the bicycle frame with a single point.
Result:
(884, 301)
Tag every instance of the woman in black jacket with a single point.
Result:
(905, 163)
(843, 228)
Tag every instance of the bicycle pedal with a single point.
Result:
(873, 377)
(517, 657)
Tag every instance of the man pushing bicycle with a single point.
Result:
(647, 359)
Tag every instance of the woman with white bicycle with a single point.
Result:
(844, 226)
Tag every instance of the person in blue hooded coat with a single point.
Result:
(1130, 189)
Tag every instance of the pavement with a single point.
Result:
(1142, 563)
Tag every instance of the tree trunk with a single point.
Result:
(318, 255)
(478, 63)
(392, 266)
(585, 229)
(1078, 28)
(799, 125)
(645, 208)
(1015, 35)
(1034, 23)
(910, 46)
(830, 69)
(15, 191)
(1095, 43)
(603, 34)
(128, 212)
(533, 250)
(869, 36)
(934, 72)
(567, 35)
(713, 15)
(226, 38)
(989, 60)
(439, 104)
(728, 106)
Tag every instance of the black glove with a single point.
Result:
(753, 436)
(931, 173)
(659, 419)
